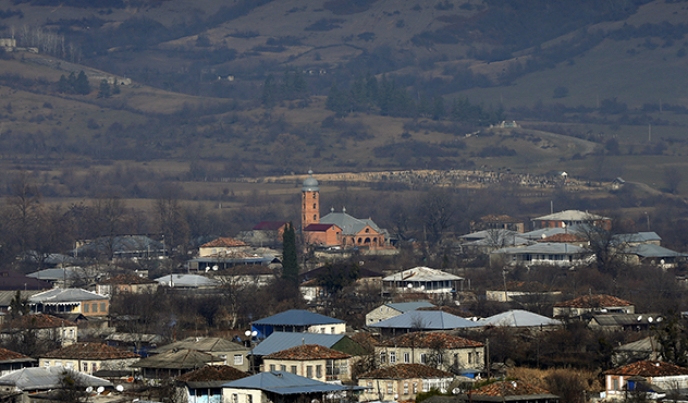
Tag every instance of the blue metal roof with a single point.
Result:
(652, 250)
(279, 341)
(297, 317)
(404, 307)
(285, 383)
(429, 320)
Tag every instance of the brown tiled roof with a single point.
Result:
(40, 321)
(594, 301)
(9, 355)
(213, 373)
(406, 371)
(509, 388)
(308, 352)
(127, 279)
(563, 238)
(648, 369)
(91, 351)
(318, 227)
(430, 340)
(225, 242)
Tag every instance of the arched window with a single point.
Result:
(315, 217)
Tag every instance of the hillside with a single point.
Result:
(246, 89)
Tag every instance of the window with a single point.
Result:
(383, 357)
(390, 388)
(315, 195)
(249, 398)
(238, 359)
(332, 330)
(85, 367)
(94, 367)
(94, 307)
(283, 368)
(235, 398)
(309, 371)
(315, 217)
(102, 307)
(322, 330)
(318, 371)
(423, 359)
(293, 369)
(392, 357)
(477, 357)
(415, 387)
(315, 206)
(70, 365)
(86, 308)
(407, 358)
(369, 384)
(470, 358)
(406, 388)
(272, 367)
(616, 384)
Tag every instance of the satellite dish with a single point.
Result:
(89, 389)
(247, 333)
(649, 319)
(456, 391)
(660, 319)
(443, 390)
(119, 388)
(640, 318)
(207, 269)
(100, 389)
(315, 401)
(254, 333)
(215, 267)
(410, 286)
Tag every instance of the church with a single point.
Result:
(336, 229)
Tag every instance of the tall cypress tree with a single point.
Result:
(290, 262)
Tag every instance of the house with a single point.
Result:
(402, 382)
(139, 343)
(658, 375)
(647, 348)
(486, 241)
(654, 255)
(436, 349)
(231, 353)
(312, 361)
(231, 260)
(415, 321)
(174, 363)
(364, 280)
(432, 282)
(545, 254)
(265, 233)
(67, 277)
(390, 310)
(300, 321)
(623, 321)
(282, 387)
(569, 218)
(244, 275)
(45, 328)
(493, 221)
(279, 341)
(204, 385)
(6, 298)
(70, 301)
(222, 246)
(121, 247)
(11, 280)
(11, 361)
(126, 283)
(336, 229)
(188, 281)
(519, 318)
(598, 303)
(523, 292)
(516, 391)
(638, 238)
(43, 379)
(89, 358)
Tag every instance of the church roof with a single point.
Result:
(349, 225)
(310, 184)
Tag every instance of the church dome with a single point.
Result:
(310, 184)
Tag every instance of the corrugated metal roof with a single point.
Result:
(349, 225)
(544, 248)
(41, 378)
(429, 320)
(652, 250)
(297, 317)
(518, 318)
(65, 295)
(638, 237)
(422, 273)
(404, 307)
(279, 341)
(285, 383)
(187, 280)
(570, 215)
(205, 344)
(182, 359)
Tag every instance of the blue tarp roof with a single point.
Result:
(432, 320)
(297, 317)
(285, 383)
(279, 341)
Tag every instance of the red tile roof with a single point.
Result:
(594, 301)
(509, 388)
(40, 321)
(127, 279)
(648, 369)
(406, 371)
(9, 355)
(563, 238)
(308, 352)
(430, 340)
(213, 373)
(91, 351)
(224, 242)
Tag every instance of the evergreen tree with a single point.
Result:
(337, 101)
(63, 85)
(81, 85)
(104, 89)
(290, 262)
(18, 306)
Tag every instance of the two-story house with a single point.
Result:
(311, 361)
